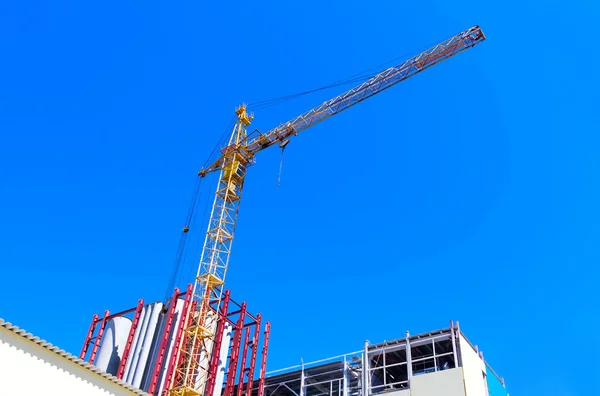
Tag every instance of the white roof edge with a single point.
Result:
(62, 353)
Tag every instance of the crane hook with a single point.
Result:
(284, 143)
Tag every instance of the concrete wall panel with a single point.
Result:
(446, 383)
(398, 393)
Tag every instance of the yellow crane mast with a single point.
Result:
(192, 361)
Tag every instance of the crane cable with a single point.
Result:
(182, 241)
(223, 139)
(182, 247)
(202, 225)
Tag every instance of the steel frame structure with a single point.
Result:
(242, 357)
(372, 370)
(334, 376)
(134, 325)
(162, 352)
(95, 340)
(392, 365)
(179, 334)
(193, 362)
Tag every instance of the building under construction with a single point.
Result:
(201, 341)
(127, 362)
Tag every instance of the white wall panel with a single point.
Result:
(113, 344)
(227, 333)
(170, 344)
(473, 369)
(132, 359)
(134, 352)
(145, 342)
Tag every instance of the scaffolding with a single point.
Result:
(238, 358)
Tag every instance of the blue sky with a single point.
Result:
(469, 192)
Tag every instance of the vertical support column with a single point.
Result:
(240, 387)
(435, 368)
(177, 344)
(408, 358)
(235, 352)
(365, 369)
(162, 352)
(216, 354)
(134, 325)
(302, 391)
(88, 337)
(345, 378)
(99, 337)
(253, 356)
(384, 368)
(263, 363)
(457, 340)
(453, 332)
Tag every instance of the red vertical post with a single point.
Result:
(163, 343)
(263, 363)
(253, 356)
(134, 325)
(88, 337)
(177, 341)
(99, 337)
(235, 352)
(240, 387)
(216, 353)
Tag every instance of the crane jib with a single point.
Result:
(371, 87)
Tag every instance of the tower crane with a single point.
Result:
(191, 370)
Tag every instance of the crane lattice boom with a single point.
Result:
(371, 87)
(192, 361)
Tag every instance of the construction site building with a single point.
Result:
(437, 363)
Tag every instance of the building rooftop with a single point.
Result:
(66, 355)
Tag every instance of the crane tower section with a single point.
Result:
(194, 354)
(192, 362)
